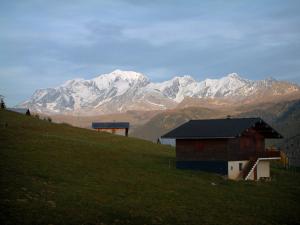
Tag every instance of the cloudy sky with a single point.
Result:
(44, 43)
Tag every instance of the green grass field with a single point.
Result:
(58, 174)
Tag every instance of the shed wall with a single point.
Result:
(121, 132)
(234, 169)
(263, 169)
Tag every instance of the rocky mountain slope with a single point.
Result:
(120, 91)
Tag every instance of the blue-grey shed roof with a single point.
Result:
(110, 125)
(221, 128)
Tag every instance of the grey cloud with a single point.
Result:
(45, 43)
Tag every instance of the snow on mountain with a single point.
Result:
(120, 91)
(231, 85)
(176, 88)
(113, 92)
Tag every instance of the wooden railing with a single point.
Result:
(248, 167)
(253, 161)
(268, 154)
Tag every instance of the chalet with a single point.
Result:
(232, 147)
(121, 128)
(24, 111)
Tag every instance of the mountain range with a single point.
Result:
(121, 91)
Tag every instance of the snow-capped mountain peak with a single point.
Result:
(122, 75)
(234, 76)
(176, 88)
(128, 74)
(123, 79)
(120, 91)
(183, 79)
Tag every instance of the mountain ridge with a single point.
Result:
(121, 91)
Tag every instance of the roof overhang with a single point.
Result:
(110, 125)
(264, 129)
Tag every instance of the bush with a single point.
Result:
(2, 104)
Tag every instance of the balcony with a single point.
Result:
(269, 153)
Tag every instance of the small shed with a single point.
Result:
(232, 147)
(166, 141)
(121, 128)
(24, 111)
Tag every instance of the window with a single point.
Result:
(240, 166)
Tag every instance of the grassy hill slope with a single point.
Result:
(57, 174)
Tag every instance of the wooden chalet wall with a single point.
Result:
(250, 144)
(233, 149)
(201, 149)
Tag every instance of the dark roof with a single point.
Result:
(221, 128)
(19, 110)
(110, 125)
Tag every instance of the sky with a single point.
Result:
(45, 43)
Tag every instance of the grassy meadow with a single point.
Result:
(58, 174)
